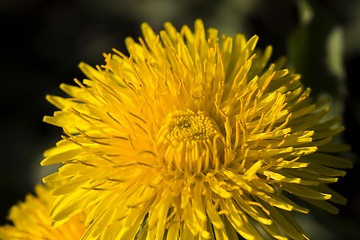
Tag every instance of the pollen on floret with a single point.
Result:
(190, 142)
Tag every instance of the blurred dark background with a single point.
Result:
(42, 41)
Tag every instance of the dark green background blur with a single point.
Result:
(42, 41)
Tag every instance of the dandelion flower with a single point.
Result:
(32, 220)
(190, 139)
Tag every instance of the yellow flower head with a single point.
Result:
(190, 139)
(32, 221)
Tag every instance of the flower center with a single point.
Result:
(190, 142)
